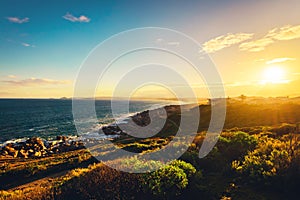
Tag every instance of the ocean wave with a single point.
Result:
(50, 131)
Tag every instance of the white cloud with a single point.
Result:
(277, 34)
(18, 20)
(72, 18)
(285, 33)
(27, 45)
(224, 41)
(279, 60)
(36, 82)
(256, 45)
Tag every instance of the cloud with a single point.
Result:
(27, 45)
(256, 45)
(12, 76)
(224, 41)
(18, 20)
(36, 81)
(277, 34)
(72, 18)
(285, 33)
(279, 60)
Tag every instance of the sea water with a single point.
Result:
(47, 118)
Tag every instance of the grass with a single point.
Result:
(257, 152)
(18, 171)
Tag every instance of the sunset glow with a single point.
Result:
(139, 99)
(42, 50)
(274, 75)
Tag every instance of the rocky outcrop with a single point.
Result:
(143, 118)
(37, 147)
(112, 130)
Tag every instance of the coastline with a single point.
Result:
(239, 114)
(35, 159)
(39, 146)
(49, 135)
(56, 174)
(25, 118)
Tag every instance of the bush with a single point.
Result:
(236, 145)
(134, 164)
(170, 180)
(269, 159)
(102, 182)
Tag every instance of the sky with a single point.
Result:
(255, 45)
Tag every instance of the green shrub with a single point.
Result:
(167, 181)
(170, 180)
(236, 145)
(269, 159)
(134, 164)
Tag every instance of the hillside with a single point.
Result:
(257, 157)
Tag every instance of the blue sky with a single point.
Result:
(49, 39)
(61, 45)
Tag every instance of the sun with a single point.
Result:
(274, 74)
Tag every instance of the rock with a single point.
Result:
(54, 143)
(37, 147)
(23, 153)
(10, 150)
(37, 154)
(37, 143)
(111, 130)
(77, 144)
(61, 137)
(142, 119)
(9, 145)
(64, 147)
(3, 152)
(27, 146)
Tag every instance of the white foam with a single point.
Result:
(13, 141)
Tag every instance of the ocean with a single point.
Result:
(48, 118)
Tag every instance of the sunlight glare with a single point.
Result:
(274, 75)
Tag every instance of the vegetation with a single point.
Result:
(248, 162)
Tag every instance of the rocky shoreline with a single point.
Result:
(141, 119)
(38, 147)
